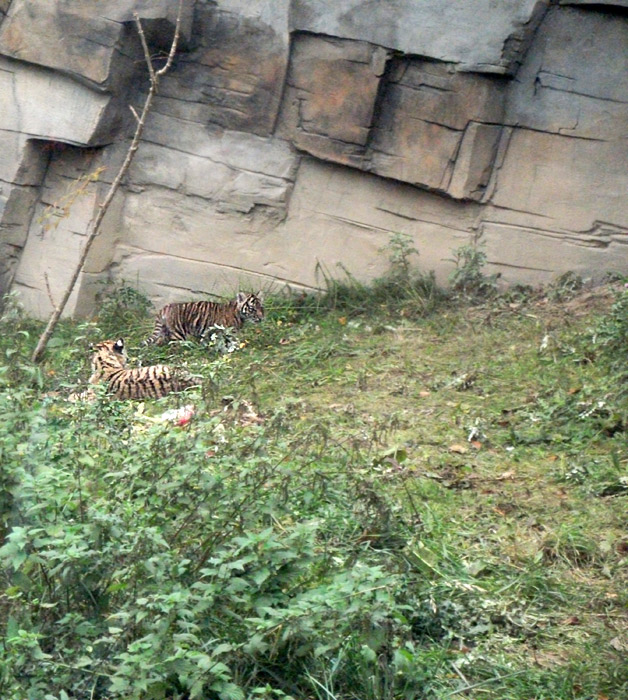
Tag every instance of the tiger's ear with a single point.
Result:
(260, 295)
(118, 346)
(241, 297)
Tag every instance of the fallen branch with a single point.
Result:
(155, 77)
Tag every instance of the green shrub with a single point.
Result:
(468, 279)
(143, 560)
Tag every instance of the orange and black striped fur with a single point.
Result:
(193, 319)
(109, 366)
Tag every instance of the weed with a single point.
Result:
(402, 289)
(611, 334)
(570, 545)
(601, 476)
(121, 307)
(565, 287)
(400, 250)
(468, 279)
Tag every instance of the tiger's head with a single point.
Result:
(109, 354)
(250, 306)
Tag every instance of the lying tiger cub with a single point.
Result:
(193, 319)
(109, 367)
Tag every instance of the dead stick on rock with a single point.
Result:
(94, 229)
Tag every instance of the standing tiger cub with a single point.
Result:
(109, 366)
(193, 319)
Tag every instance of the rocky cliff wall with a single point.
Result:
(296, 135)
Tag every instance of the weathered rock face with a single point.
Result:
(292, 136)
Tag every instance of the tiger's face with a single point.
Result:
(250, 306)
(109, 353)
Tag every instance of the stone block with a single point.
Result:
(436, 92)
(87, 40)
(341, 218)
(60, 34)
(44, 268)
(574, 80)
(474, 161)
(38, 103)
(430, 116)
(12, 148)
(17, 204)
(538, 256)
(414, 151)
(483, 35)
(596, 6)
(167, 279)
(334, 86)
(237, 69)
(16, 211)
(229, 167)
(57, 231)
(571, 182)
(9, 258)
(234, 149)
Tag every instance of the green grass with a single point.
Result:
(430, 502)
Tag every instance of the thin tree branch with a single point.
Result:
(147, 57)
(175, 41)
(135, 114)
(102, 208)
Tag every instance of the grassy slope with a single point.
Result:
(546, 553)
(483, 440)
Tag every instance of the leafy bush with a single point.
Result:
(468, 279)
(146, 561)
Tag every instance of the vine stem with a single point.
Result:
(94, 228)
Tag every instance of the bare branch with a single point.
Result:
(135, 114)
(175, 41)
(140, 31)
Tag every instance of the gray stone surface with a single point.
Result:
(600, 4)
(39, 103)
(234, 76)
(91, 41)
(481, 35)
(292, 137)
(427, 111)
(574, 80)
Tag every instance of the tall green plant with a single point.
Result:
(469, 279)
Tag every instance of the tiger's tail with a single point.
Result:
(159, 335)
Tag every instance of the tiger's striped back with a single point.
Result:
(193, 319)
(109, 367)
